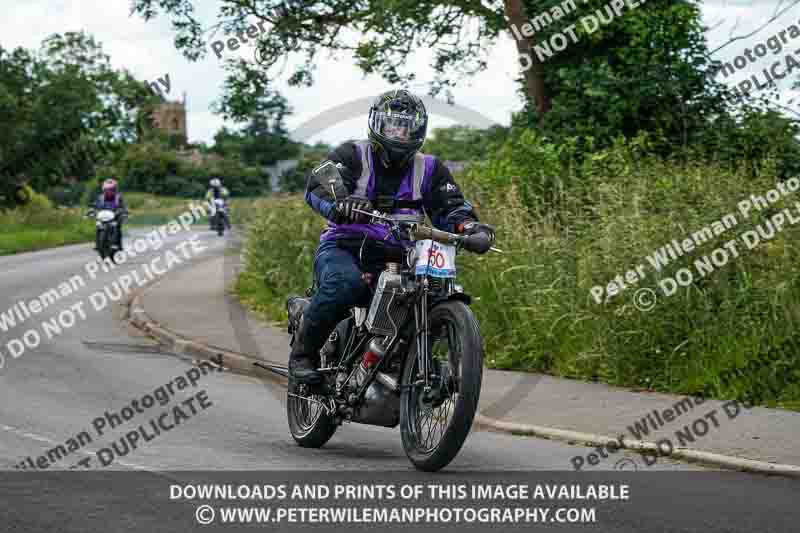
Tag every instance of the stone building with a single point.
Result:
(170, 117)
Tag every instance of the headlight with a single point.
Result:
(411, 257)
(106, 215)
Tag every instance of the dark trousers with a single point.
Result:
(340, 286)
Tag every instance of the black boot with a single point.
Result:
(303, 357)
(303, 370)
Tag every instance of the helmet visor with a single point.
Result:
(398, 126)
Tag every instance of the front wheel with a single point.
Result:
(434, 424)
(104, 245)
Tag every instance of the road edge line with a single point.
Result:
(686, 454)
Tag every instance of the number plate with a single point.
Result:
(435, 259)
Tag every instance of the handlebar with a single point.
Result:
(444, 237)
(476, 243)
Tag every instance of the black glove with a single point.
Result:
(344, 210)
(471, 228)
(480, 237)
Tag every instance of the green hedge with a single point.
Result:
(569, 222)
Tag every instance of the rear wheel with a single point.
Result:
(434, 424)
(310, 420)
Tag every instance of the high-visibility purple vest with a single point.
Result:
(414, 185)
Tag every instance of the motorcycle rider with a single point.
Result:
(388, 173)
(215, 191)
(111, 199)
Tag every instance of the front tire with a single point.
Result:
(461, 370)
(104, 245)
(311, 426)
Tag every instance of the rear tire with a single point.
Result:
(465, 360)
(311, 426)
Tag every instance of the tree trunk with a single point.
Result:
(534, 76)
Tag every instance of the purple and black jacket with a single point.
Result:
(115, 203)
(426, 185)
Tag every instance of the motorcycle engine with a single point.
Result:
(380, 405)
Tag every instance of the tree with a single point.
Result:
(67, 109)
(379, 36)
(641, 70)
(517, 16)
(294, 180)
(463, 143)
(263, 139)
(663, 34)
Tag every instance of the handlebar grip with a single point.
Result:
(424, 232)
(478, 243)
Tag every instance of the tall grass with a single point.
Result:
(569, 224)
(282, 236)
(40, 226)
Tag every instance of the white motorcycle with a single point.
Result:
(107, 227)
(219, 216)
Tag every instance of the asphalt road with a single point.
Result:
(54, 393)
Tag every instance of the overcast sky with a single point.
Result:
(147, 50)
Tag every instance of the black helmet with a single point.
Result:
(398, 122)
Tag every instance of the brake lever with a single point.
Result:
(331, 182)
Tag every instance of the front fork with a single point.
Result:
(421, 320)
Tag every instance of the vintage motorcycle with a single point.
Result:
(413, 358)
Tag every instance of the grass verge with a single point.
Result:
(40, 227)
(730, 332)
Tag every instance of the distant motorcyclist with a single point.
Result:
(215, 191)
(111, 199)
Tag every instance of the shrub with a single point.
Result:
(570, 220)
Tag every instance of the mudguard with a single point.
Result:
(456, 296)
